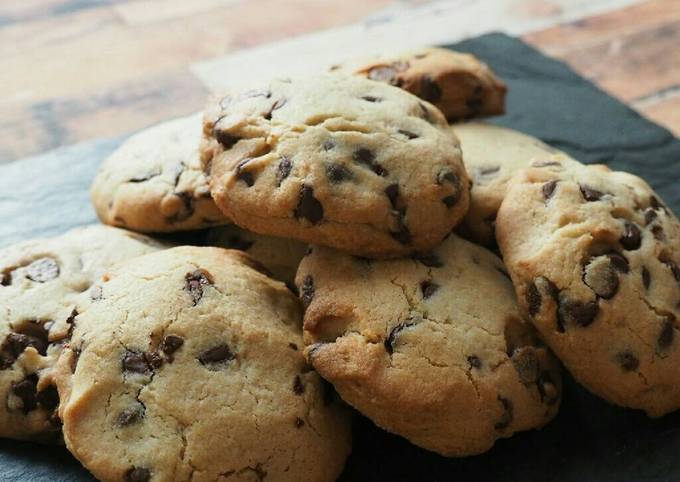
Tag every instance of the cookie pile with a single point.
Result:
(358, 250)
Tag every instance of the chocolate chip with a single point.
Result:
(428, 288)
(328, 144)
(144, 177)
(394, 332)
(26, 390)
(195, 281)
(299, 423)
(298, 386)
(225, 139)
(138, 474)
(533, 299)
(474, 361)
(367, 158)
(429, 89)
(392, 192)
(370, 98)
(338, 173)
(526, 363)
(410, 135)
(171, 343)
(631, 237)
(135, 362)
(547, 389)
(293, 346)
(574, 312)
(667, 333)
(243, 175)
(448, 176)
(627, 360)
(431, 260)
(506, 418)
(308, 206)
(590, 194)
(42, 270)
(619, 262)
(217, 355)
(130, 416)
(382, 74)
(487, 171)
(601, 277)
(48, 398)
(650, 215)
(450, 201)
(307, 291)
(187, 209)
(283, 171)
(646, 278)
(402, 234)
(548, 189)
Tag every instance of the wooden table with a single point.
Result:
(76, 70)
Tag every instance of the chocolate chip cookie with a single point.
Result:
(189, 366)
(337, 161)
(595, 259)
(280, 256)
(459, 84)
(432, 348)
(492, 154)
(39, 283)
(154, 183)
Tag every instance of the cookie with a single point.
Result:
(595, 259)
(280, 256)
(39, 283)
(337, 161)
(492, 154)
(190, 367)
(431, 348)
(154, 183)
(459, 84)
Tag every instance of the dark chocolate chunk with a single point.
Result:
(619, 262)
(220, 354)
(506, 417)
(667, 333)
(48, 398)
(448, 176)
(138, 474)
(26, 391)
(145, 177)
(428, 288)
(526, 363)
(328, 144)
(187, 209)
(474, 361)
(631, 237)
(402, 235)
(408, 134)
(533, 299)
(299, 423)
(195, 282)
(450, 201)
(171, 343)
(574, 312)
(135, 362)
(308, 206)
(627, 361)
(431, 260)
(392, 336)
(42, 270)
(548, 189)
(283, 171)
(650, 215)
(338, 173)
(646, 278)
(243, 175)
(307, 291)
(293, 346)
(392, 192)
(429, 89)
(225, 139)
(130, 416)
(298, 386)
(590, 194)
(487, 171)
(370, 98)
(366, 157)
(657, 232)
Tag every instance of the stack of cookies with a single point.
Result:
(364, 244)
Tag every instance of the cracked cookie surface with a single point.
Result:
(154, 182)
(595, 259)
(492, 154)
(40, 281)
(280, 256)
(338, 161)
(459, 84)
(190, 367)
(431, 348)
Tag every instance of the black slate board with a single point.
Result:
(588, 441)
